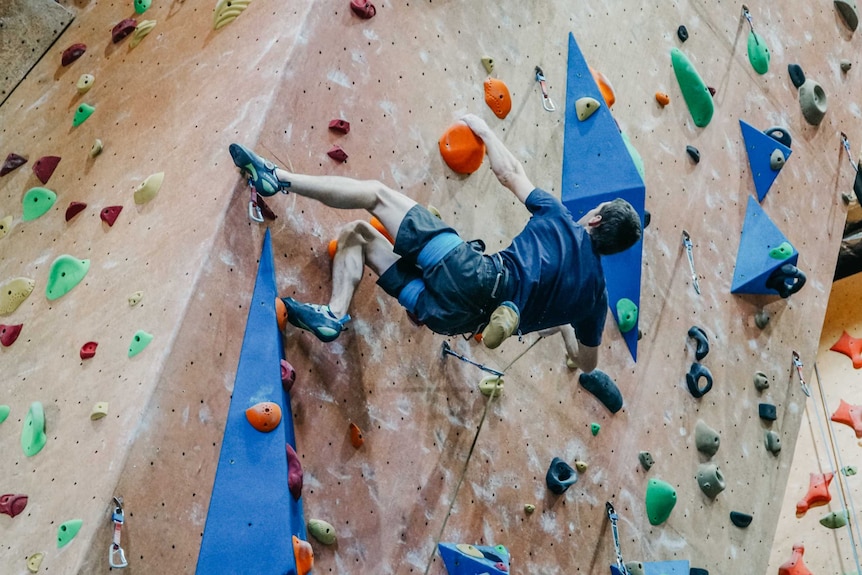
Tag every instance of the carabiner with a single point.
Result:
(254, 213)
(547, 104)
(116, 555)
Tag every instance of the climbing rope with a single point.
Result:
(797, 361)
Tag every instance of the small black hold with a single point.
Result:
(603, 387)
(693, 153)
(647, 218)
(742, 520)
(697, 571)
(779, 134)
(767, 411)
(857, 184)
(699, 336)
(682, 33)
(797, 76)
(692, 378)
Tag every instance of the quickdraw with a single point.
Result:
(547, 104)
(116, 555)
(686, 241)
(620, 568)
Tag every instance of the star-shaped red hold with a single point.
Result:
(851, 347)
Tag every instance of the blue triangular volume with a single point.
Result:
(754, 265)
(760, 147)
(464, 559)
(597, 167)
(252, 515)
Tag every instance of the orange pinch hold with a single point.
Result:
(497, 97)
(849, 415)
(331, 249)
(851, 347)
(462, 150)
(795, 565)
(378, 225)
(265, 416)
(662, 99)
(304, 555)
(818, 493)
(604, 87)
(281, 309)
(356, 438)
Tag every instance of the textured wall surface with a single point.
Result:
(272, 80)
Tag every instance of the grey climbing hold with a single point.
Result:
(834, 520)
(761, 318)
(635, 567)
(777, 159)
(586, 107)
(767, 411)
(560, 476)
(646, 459)
(797, 76)
(710, 479)
(741, 520)
(693, 153)
(603, 388)
(699, 336)
(488, 64)
(847, 470)
(847, 9)
(706, 438)
(761, 382)
(812, 99)
(773, 442)
(682, 33)
(846, 65)
(693, 377)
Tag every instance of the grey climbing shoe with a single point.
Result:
(503, 323)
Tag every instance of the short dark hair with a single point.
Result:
(619, 229)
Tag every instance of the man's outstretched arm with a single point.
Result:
(505, 166)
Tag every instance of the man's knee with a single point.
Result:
(357, 232)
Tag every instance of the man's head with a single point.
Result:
(614, 226)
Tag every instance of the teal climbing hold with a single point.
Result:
(67, 531)
(627, 314)
(33, 436)
(694, 90)
(660, 500)
(83, 112)
(66, 272)
(37, 201)
(758, 53)
(4, 412)
(636, 157)
(782, 251)
(140, 340)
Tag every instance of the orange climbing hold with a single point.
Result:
(378, 225)
(281, 309)
(849, 415)
(604, 87)
(851, 347)
(462, 150)
(497, 97)
(818, 493)
(662, 99)
(304, 555)
(795, 566)
(356, 438)
(331, 249)
(264, 416)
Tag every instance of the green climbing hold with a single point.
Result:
(660, 500)
(37, 201)
(694, 90)
(83, 112)
(491, 384)
(636, 157)
(139, 342)
(781, 252)
(595, 428)
(849, 470)
(4, 412)
(67, 531)
(627, 314)
(834, 520)
(66, 272)
(758, 52)
(322, 531)
(33, 436)
(142, 6)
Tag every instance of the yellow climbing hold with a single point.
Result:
(488, 63)
(149, 188)
(13, 293)
(34, 561)
(136, 298)
(96, 149)
(226, 11)
(144, 27)
(85, 82)
(99, 411)
(586, 107)
(5, 225)
(470, 550)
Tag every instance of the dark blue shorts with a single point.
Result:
(459, 293)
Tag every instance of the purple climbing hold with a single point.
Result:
(12, 161)
(363, 9)
(110, 214)
(12, 504)
(44, 167)
(123, 29)
(74, 209)
(336, 153)
(340, 126)
(288, 375)
(9, 333)
(72, 53)
(294, 473)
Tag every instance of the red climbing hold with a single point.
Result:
(9, 333)
(363, 9)
(12, 504)
(818, 493)
(110, 214)
(356, 437)
(74, 209)
(88, 350)
(288, 376)
(849, 415)
(294, 473)
(795, 566)
(44, 167)
(851, 347)
(341, 126)
(12, 161)
(336, 153)
(123, 29)
(73, 52)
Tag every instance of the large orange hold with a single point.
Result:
(497, 97)
(378, 225)
(604, 87)
(462, 150)
(264, 416)
(304, 555)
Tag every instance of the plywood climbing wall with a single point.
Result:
(272, 80)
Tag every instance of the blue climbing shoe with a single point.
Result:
(260, 172)
(316, 318)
